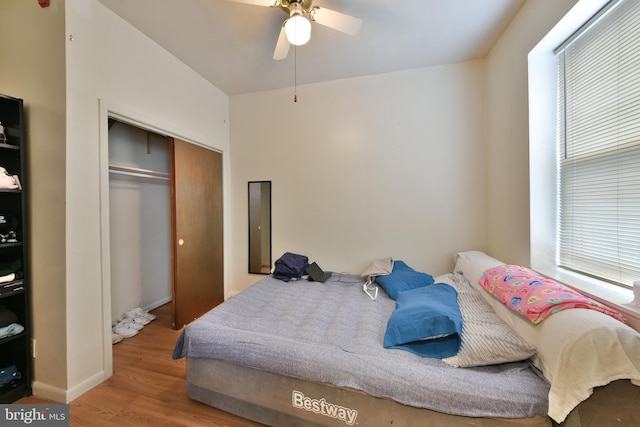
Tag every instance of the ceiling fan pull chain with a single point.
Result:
(295, 73)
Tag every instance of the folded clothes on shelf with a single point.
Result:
(9, 376)
(10, 330)
(8, 181)
(11, 266)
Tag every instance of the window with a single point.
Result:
(599, 146)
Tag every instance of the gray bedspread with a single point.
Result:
(333, 332)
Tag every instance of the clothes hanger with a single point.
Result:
(367, 287)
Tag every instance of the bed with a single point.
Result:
(311, 353)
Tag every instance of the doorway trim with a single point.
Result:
(109, 110)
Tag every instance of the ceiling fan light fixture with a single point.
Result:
(298, 29)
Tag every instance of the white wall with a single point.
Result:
(33, 68)
(371, 147)
(111, 66)
(508, 129)
(363, 168)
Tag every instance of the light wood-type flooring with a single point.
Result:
(147, 387)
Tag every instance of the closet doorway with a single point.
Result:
(165, 208)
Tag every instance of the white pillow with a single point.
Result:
(378, 267)
(486, 339)
(581, 349)
(472, 265)
(578, 349)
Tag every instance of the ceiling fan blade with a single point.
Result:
(282, 46)
(336, 20)
(266, 3)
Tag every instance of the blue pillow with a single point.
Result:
(426, 321)
(403, 278)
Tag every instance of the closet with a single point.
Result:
(165, 221)
(139, 218)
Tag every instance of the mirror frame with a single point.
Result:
(259, 210)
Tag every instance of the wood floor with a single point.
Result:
(147, 387)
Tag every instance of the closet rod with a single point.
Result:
(142, 173)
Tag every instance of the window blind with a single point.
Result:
(599, 146)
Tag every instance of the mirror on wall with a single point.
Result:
(260, 227)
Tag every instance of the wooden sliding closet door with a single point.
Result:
(197, 231)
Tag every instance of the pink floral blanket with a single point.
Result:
(534, 296)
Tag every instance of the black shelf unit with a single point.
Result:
(15, 302)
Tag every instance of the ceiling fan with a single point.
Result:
(297, 28)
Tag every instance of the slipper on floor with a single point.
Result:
(124, 330)
(136, 323)
(143, 313)
(138, 313)
(116, 338)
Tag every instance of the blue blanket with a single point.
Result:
(333, 333)
(426, 321)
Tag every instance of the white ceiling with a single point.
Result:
(231, 44)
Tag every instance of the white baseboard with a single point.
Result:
(55, 394)
(157, 303)
(48, 392)
(86, 385)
